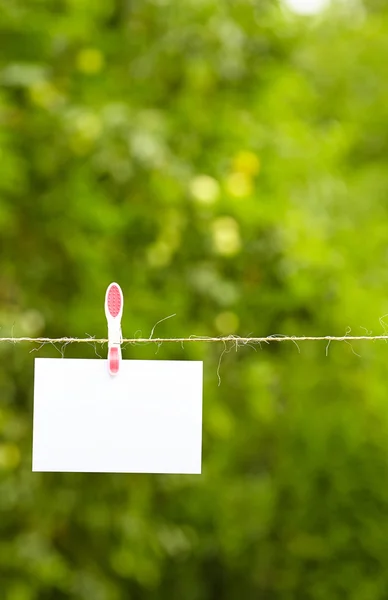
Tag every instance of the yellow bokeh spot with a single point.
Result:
(226, 236)
(239, 185)
(9, 456)
(247, 162)
(88, 125)
(90, 61)
(204, 189)
(227, 322)
(87, 128)
(44, 94)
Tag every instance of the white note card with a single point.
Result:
(146, 419)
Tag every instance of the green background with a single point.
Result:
(225, 161)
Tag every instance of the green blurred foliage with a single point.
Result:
(225, 161)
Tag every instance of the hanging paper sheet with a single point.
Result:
(147, 419)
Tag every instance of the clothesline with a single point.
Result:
(197, 338)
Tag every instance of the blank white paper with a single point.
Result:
(146, 419)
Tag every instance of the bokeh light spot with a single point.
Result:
(247, 162)
(204, 189)
(90, 61)
(306, 7)
(226, 236)
(239, 185)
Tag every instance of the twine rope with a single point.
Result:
(198, 338)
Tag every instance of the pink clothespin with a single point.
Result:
(114, 302)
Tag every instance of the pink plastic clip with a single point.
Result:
(114, 302)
